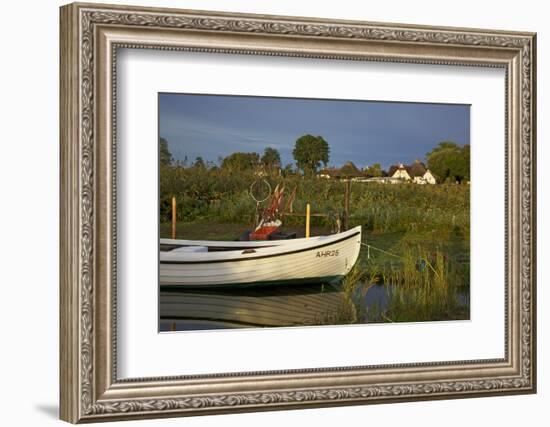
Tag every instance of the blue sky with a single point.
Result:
(364, 132)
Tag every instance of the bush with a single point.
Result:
(219, 196)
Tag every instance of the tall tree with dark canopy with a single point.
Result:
(271, 159)
(165, 156)
(310, 152)
(450, 162)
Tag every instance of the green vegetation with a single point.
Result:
(374, 170)
(423, 284)
(199, 163)
(220, 196)
(271, 159)
(310, 152)
(165, 157)
(449, 162)
(239, 162)
(431, 293)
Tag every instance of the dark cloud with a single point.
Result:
(363, 131)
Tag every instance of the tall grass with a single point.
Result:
(425, 287)
(219, 196)
(420, 286)
(348, 311)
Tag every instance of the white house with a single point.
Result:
(399, 172)
(427, 178)
(417, 173)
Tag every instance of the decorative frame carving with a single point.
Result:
(90, 36)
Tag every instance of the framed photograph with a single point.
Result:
(266, 212)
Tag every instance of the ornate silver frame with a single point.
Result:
(90, 36)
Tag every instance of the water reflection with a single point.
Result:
(215, 308)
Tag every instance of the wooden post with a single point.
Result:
(308, 213)
(346, 205)
(173, 217)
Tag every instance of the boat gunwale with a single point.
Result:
(261, 256)
(237, 245)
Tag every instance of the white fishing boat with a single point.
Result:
(195, 263)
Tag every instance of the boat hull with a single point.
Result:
(321, 260)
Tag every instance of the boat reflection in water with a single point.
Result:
(269, 306)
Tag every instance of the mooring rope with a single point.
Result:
(397, 256)
(381, 250)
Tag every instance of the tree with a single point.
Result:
(271, 159)
(165, 156)
(310, 152)
(466, 154)
(450, 162)
(374, 171)
(241, 161)
(199, 163)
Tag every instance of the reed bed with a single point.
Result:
(215, 195)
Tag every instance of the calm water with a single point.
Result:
(276, 306)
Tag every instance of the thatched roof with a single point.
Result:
(417, 169)
(394, 168)
(349, 170)
(328, 171)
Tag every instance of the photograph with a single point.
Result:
(295, 212)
